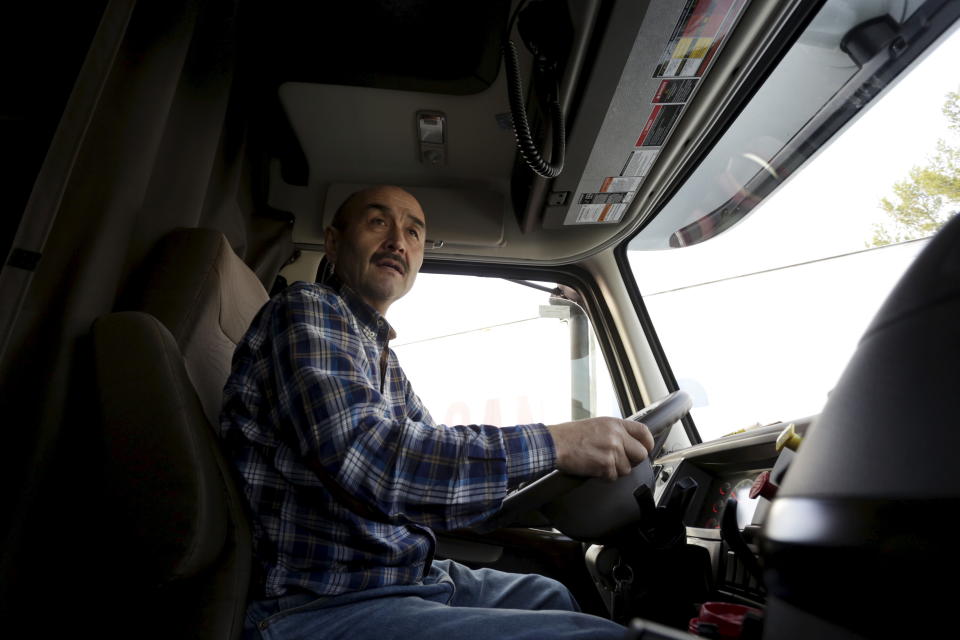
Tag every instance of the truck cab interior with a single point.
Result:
(585, 166)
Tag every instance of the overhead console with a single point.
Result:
(649, 67)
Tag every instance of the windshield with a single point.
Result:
(779, 268)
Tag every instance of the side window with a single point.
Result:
(494, 351)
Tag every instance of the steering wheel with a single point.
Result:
(587, 509)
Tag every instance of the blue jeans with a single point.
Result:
(453, 602)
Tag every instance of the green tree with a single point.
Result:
(930, 195)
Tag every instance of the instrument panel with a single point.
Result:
(714, 472)
(735, 485)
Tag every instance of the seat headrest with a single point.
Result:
(189, 267)
(164, 489)
(207, 297)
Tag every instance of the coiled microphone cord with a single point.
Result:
(521, 127)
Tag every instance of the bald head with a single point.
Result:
(354, 203)
(375, 243)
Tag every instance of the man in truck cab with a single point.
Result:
(348, 476)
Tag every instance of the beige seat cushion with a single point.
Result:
(207, 297)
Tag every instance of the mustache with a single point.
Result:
(396, 257)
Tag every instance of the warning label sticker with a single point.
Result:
(620, 184)
(615, 197)
(610, 202)
(702, 27)
(639, 162)
(658, 125)
(674, 91)
(607, 213)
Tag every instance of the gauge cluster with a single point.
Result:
(715, 486)
(735, 485)
(724, 469)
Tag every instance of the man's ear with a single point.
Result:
(331, 238)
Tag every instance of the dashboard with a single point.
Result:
(719, 471)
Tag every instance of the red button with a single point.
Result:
(763, 487)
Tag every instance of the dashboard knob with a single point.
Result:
(789, 438)
(763, 486)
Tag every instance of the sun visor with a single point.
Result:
(354, 137)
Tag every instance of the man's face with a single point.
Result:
(380, 250)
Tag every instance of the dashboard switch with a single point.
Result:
(763, 486)
(789, 438)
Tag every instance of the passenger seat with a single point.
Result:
(177, 536)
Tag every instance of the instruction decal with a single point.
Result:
(621, 184)
(659, 124)
(605, 198)
(610, 203)
(608, 213)
(702, 28)
(674, 91)
(639, 163)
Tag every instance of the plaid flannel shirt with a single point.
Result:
(314, 384)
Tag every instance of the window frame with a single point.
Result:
(646, 325)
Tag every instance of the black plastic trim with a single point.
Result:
(879, 567)
(884, 523)
(646, 323)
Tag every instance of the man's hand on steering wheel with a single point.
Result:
(600, 447)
